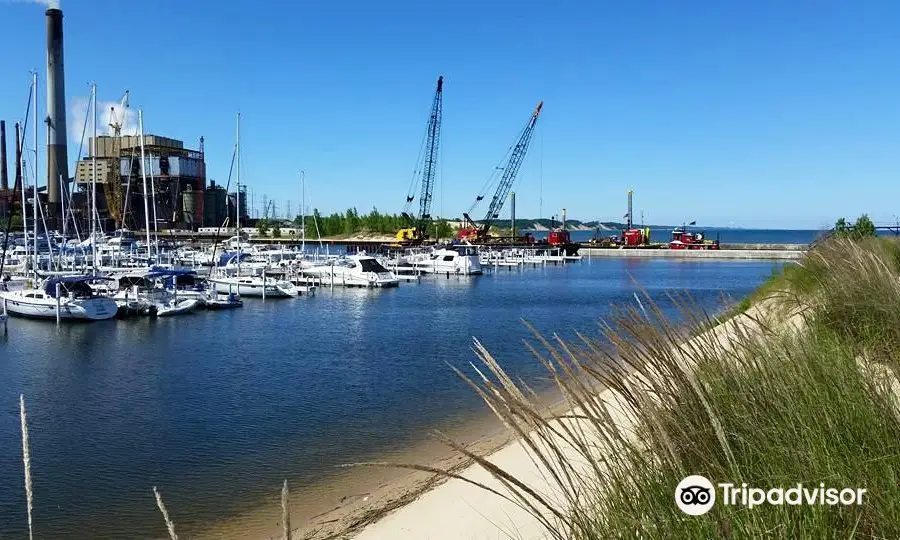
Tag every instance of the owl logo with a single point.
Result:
(695, 495)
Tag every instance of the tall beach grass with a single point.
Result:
(800, 388)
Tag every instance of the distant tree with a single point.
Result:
(262, 226)
(841, 226)
(16, 223)
(276, 230)
(864, 227)
(443, 229)
(311, 223)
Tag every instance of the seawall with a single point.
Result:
(745, 252)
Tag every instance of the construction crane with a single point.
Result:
(476, 232)
(416, 231)
(115, 122)
(112, 188)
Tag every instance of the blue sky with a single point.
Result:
(764, 114)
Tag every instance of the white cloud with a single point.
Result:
(78, 119)
(48, 3)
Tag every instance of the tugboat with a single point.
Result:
(682, 239)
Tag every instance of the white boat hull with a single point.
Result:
(349, 279)
(88, 309)
(254, 287)
(181, 307)
(469, 268)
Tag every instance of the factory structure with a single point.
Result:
(177, 193)
(175, 179)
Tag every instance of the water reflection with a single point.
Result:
(218, 407)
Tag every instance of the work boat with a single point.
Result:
(460, 260)
(353, 271)
(70, 297)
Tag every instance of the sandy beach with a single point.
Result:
(354, 497)
(386, 503)
(456, 509)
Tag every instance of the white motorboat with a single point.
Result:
(192, 257)
(219, 302)
(460, 260)
(70, 297)
(253, 286)
(353, 271)
(178, 306)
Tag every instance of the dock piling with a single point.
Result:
(58, 303)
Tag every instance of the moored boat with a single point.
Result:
(69, 298)
(255, 286)
(220, 302)
(460, 260)
(353, 271)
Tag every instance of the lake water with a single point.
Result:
(216, 408)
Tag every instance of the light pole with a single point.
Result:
(303, 204)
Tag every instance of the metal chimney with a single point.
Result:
(57, 156)
(4, 174)
(630, 214)
(564, 219)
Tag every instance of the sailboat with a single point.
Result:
(69, 298)
(247, 285)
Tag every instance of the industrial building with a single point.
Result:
(175, 175)
(175, 191)
(219, 204)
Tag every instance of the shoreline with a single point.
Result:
(346, 503)
(343, 503)
(359, 501)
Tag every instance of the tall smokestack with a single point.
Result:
(18, 158)
(57, 156)
(4, 174)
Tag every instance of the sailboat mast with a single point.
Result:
(153, 203)
(20, 178)
(144, 179)
(35, 200)
(303, 206)
(237, 149)
(94, 180)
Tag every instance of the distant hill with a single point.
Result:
(571, 225)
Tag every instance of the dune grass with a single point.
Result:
(755, 400)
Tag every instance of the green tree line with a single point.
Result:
(861, 229)
(352, 222)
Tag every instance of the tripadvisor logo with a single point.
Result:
(696, 495)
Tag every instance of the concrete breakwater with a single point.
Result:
(787, 252)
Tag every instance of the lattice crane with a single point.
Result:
(417, 226)
(479, 231)
(115, 122)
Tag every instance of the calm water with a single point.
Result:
(217, 408)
